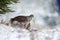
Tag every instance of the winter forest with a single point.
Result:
(29, 20)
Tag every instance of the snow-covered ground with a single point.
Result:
(43, 25)
(10, 33)
(17, 33)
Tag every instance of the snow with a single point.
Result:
(11, 33)
(39, 28)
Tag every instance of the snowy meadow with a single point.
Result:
(44, 26)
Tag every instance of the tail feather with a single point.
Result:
(12, 20)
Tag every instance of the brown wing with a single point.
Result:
(21, 18)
